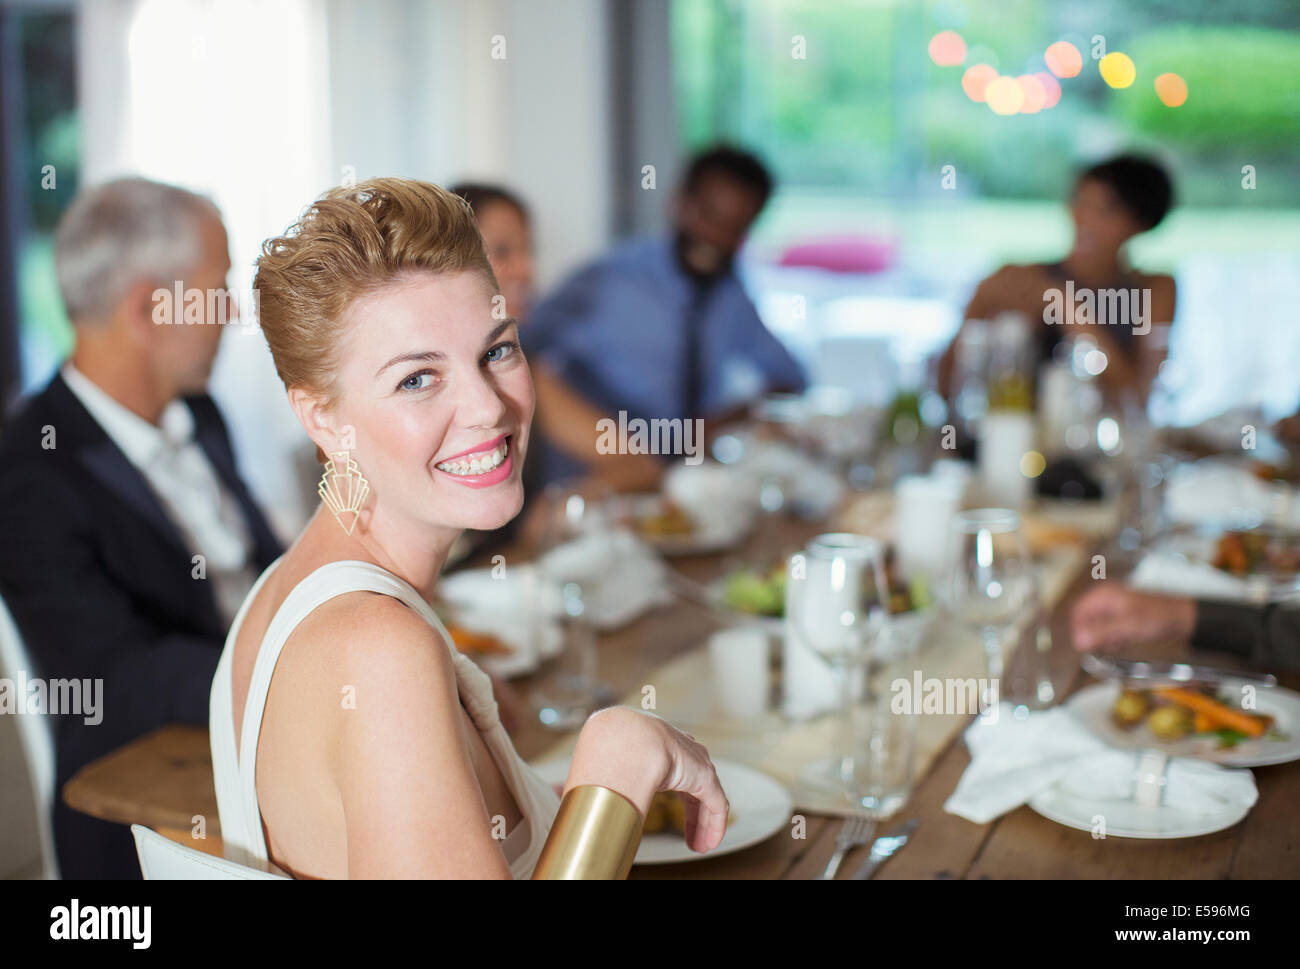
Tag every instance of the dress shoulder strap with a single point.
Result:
(327, 582)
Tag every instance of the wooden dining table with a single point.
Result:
(164, 779)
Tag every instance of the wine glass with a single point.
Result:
(839, 610)
(574, 554)
(991, 585)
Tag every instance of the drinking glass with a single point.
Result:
(839, 612)
(991, 587)
(573, 557)
(883, 735)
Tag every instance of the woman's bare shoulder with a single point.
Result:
(366, 669)
(368, 636)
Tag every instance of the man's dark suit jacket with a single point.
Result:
(100, 584)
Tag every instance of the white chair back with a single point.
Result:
(164, 859)
(37, 740)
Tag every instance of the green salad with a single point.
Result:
(762, 592)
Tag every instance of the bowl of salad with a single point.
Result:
(757, 594)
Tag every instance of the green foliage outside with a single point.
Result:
(865, 110)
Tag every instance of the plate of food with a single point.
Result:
(492, 653)
(502, 622)
(760, 590)
(673, 530)
(1232, 724)
(1260, 555)
(757, 594)
(753, 594)
(760, 807)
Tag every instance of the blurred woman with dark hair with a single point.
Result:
(565, 420)
(1112, 202)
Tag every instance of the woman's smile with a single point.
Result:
(482, 466)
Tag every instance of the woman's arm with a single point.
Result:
(411, 802)
(638, 755)
(1154, 345)
(1134, 371)
(1122, 373)
(989, 299)
(569, 422)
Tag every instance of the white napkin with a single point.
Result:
(1217, 492)
(621, 576)
(1172, 574)
(1192, 786)
(1012, 760)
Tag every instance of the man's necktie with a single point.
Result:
(693, 364)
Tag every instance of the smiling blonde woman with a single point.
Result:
(349, 738)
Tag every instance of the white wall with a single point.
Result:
(261, 105)
(415, 90)
(228, 100)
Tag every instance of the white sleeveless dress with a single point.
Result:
(236, 778)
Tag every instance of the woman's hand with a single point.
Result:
(1112, 615)
(639, 755)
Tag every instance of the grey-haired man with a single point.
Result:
(129, 537)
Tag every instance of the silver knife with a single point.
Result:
(1115, 668)
(884, 848)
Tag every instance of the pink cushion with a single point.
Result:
(842, 254)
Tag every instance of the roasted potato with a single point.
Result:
(1170, 722)
(1131, 708)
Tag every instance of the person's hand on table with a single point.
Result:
(638, 755)
(1113, 615)
(1288, 430)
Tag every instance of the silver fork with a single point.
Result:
(854, 832)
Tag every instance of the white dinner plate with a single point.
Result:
(1128, 819)
(1093, 704)
(761, 806)
(1198, 549)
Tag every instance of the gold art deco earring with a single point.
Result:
(343, 488)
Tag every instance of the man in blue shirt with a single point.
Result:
(661, 327)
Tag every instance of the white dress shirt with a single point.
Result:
(205, 513)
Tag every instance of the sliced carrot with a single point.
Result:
(1201, 722)
(1219, 715)
(472, 642)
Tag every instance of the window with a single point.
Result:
(40, 140)
(859, 122)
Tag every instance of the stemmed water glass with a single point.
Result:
(838, 605)
(574, 556)
(991, 585)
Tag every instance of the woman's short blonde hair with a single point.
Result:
(350, 242)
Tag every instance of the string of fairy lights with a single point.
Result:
(1041, 91)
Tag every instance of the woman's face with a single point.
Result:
(439, 399)
(510, 250)
(1102, 223)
